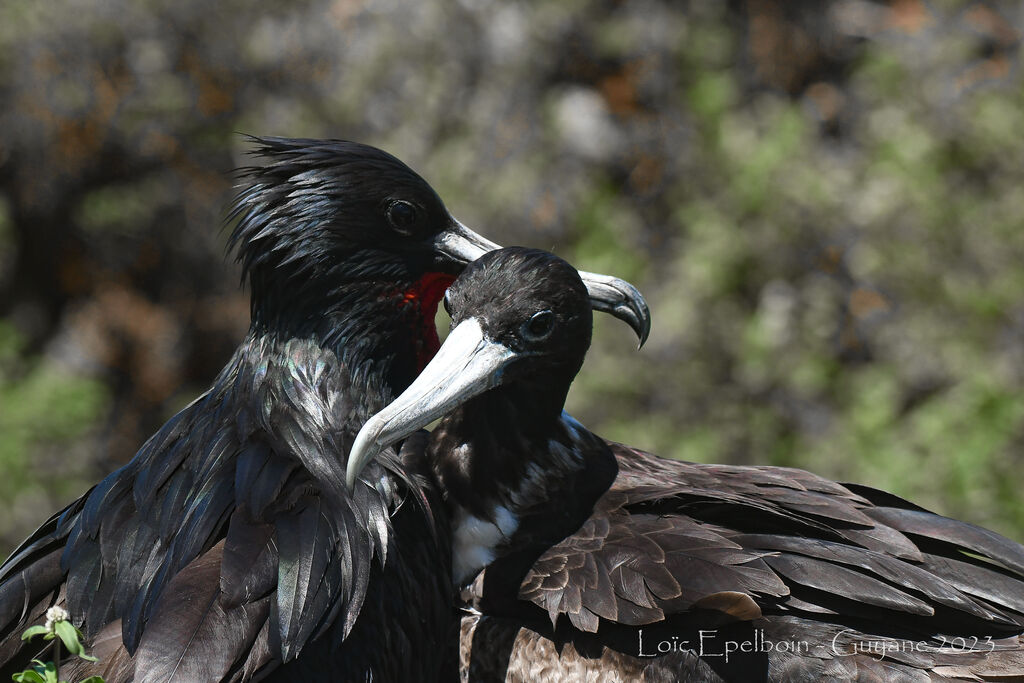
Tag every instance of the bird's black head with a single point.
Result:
(521, 325)
(535, 304)
(334, 234)
(317, 202)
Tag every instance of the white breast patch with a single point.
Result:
(476, 540)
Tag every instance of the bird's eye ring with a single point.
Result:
(539, 326)
(402, 215)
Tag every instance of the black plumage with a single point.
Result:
(230, 547)
(607, 563)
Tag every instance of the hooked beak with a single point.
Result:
(607, 294)
(621, 299)
(467, 365)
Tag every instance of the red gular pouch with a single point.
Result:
(426, 294)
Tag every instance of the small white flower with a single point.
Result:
(55, 614)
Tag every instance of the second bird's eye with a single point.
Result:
(402, 216)
(539, 326)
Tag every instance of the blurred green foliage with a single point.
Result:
(823, 202)
(44, 413)
(851, 305)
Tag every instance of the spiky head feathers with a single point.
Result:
(332, 208)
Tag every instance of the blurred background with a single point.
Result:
(823, 201)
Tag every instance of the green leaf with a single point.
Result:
(33, 631)
(39, 673)
(94, 679)
(28, 676)
(69, 635)
(50, 672)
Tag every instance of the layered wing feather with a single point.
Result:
(846, 570)
(635, 568)
(837, 547)
(233, 520)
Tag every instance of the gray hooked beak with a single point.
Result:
(467, 365)
(621, 299)
(607, 294)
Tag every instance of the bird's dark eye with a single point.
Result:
(448, 302)
(402, 215)
(538, 327)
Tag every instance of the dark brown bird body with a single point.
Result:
(677, 563)
(604, 563)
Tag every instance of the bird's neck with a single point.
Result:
(515, 473)
(380, 333)
(489, 451)
(306, 401)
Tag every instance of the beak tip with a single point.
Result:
(351, 475)
(644, 330)
(620, 299)
(638, 317)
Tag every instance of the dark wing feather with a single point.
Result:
(32, 581)
(883, 539)
(24, 598)
(166, 451)
(971, 577)
(115, 663)
(191, 634)
(260, 476)
(789, 552)
(306, 543)
(51, 534)
(635, 568)
(908, 577)
(987, 583)
(32, 571)
(848, 583)
(260, 656)
(248, 469)
(964, 535)
(248, 569)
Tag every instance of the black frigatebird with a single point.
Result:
(230, 548)
(602, 562)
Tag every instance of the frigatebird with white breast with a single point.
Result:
(584, 560)
(230, 548)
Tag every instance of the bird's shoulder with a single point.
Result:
(237, 508)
